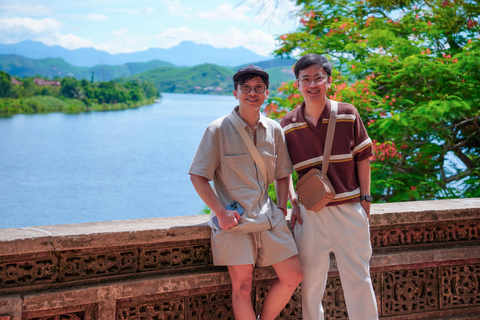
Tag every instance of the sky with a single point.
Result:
(123, 26)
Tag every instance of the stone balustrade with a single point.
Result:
(425, 265)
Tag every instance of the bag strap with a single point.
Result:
(251, 147)
(332, 120)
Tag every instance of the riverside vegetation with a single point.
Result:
(72, 96)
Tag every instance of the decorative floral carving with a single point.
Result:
(181, 256)
(438, 232)
(210, 306)
(460, 286)
(334, 300)
(156, 309)
(77, 266)
(28, 272)
(409, 291)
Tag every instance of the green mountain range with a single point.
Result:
(212, 79)
(57, 68)
(205, 78)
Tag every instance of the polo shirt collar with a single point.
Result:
(299, 115)
(262, 120)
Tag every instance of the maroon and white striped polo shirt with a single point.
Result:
(351, 143)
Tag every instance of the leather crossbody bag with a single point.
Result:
(314, 189)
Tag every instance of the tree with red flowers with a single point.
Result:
(412, 69)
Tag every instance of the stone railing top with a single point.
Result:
(433, 210)
(170, 229)
(102, 234)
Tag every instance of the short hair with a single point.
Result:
(247, 76)
(312, 59)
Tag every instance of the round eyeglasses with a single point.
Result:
(259, 88)
(306, 81)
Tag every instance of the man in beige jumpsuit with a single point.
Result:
(260, 236)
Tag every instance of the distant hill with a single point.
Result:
(187, 53)
(205, 78)
(57, 67)
(84, 57)
(279, 70)
(280, 62)
(208, 78)
(279, 75)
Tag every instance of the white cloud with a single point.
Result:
(91, 16)
(23, 8)
(19, 29)
(45, 30)
(273, 13)
(136, 12)
(256, 40)
(224, 11)
(70, 41)
(95, 17)
(124, 42)
(176, 8)
(121, 32)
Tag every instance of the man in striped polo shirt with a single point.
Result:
(342, 227)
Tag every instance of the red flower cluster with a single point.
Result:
(271, 108)
(385, 150)
(471, 23)
(426, 51)
(449, 57)
(311, 14)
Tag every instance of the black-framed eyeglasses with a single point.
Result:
(259, 88)
(317, 79)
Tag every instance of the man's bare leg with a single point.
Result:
(242, 276)
(289, 275)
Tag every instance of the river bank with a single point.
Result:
(47, 104)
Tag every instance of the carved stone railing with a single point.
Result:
(425, 265)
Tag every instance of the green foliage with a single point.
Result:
(39, 104)
(211, 79)
(412, 71)
(76, 96)
(206, 78)
(139, 67)
(5, 84)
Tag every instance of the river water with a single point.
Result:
(100, 166)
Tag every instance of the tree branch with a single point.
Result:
(458, 176)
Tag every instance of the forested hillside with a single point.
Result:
(209, 78)
(31, 95)
(56, 67)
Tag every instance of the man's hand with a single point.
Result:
(295, 216)
(227, 219)
(366, 206)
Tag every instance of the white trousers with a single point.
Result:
(344, 230)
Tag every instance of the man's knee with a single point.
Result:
(242, 287)
(294, 278)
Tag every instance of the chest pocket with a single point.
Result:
(236, 171)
